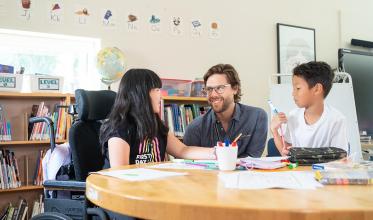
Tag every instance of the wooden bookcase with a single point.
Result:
(202, 101)
(26, 152)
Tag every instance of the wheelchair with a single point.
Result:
(92, 108)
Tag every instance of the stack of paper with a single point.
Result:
(139, 174)
(265, 180)
(263, 162)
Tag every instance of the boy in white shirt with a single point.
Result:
(313, 124)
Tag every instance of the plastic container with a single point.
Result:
(227, 157)
(176, 87)
(43, 83)
(11, 82)
(197, 88)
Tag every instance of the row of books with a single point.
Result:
(5, 128)
(41, 131)
(38, 174)
(178, 117)
(38, 206)
(20, 212)
(16, 212)
(9, 172)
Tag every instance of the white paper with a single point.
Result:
(265, 180)
(263, 162)
(139, 174)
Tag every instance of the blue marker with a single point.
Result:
(226, 142)
(273, 108)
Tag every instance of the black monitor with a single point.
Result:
(359, 65)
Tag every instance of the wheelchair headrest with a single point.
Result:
(94, 105)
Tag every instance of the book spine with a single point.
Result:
(5, 170)
(2, 175)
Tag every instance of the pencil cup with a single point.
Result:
(227, 157)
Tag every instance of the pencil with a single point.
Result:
(238, 137)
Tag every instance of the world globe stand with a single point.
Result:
(107, 83)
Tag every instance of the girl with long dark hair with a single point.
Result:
(134, 132)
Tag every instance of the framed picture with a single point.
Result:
(295, 45)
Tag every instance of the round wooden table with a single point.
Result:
(200, 195)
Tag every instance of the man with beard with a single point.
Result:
(228, 118)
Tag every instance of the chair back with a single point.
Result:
(92, 107)
(272, 149)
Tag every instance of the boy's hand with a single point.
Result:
(277, 120)
(285, 151)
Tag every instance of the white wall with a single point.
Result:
(248, 35)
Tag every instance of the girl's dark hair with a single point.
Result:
(133, 104)
(316, 72)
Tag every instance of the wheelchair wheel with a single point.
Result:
(51, 216)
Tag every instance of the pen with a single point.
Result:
(274, 110)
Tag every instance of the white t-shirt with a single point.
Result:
(328, 131)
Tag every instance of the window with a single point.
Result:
(73, 58)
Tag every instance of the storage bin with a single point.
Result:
(176, 87)
(197, 88)
(11, 82)
(44, 83)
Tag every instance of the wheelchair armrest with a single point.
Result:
(64, 185)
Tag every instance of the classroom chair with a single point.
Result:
(272, 149)
(91, 107)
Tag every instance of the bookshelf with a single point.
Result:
(181, 119)
(17, 108)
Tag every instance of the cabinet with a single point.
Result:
(16, 106)
(178, 112)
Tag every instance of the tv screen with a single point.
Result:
(359, 65)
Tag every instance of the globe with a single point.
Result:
(110, 64)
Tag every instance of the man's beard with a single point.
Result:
(222, 107)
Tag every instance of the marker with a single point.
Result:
(197, 164)
(292, 165)
(238, 137)
(234, 144)
(274, 110)
(219, 144)
(226, 142)
(285, 161)
(176, 160)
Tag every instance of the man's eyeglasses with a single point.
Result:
(218, 89)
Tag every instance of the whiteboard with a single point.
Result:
(341, 97)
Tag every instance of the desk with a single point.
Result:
(200, 195)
